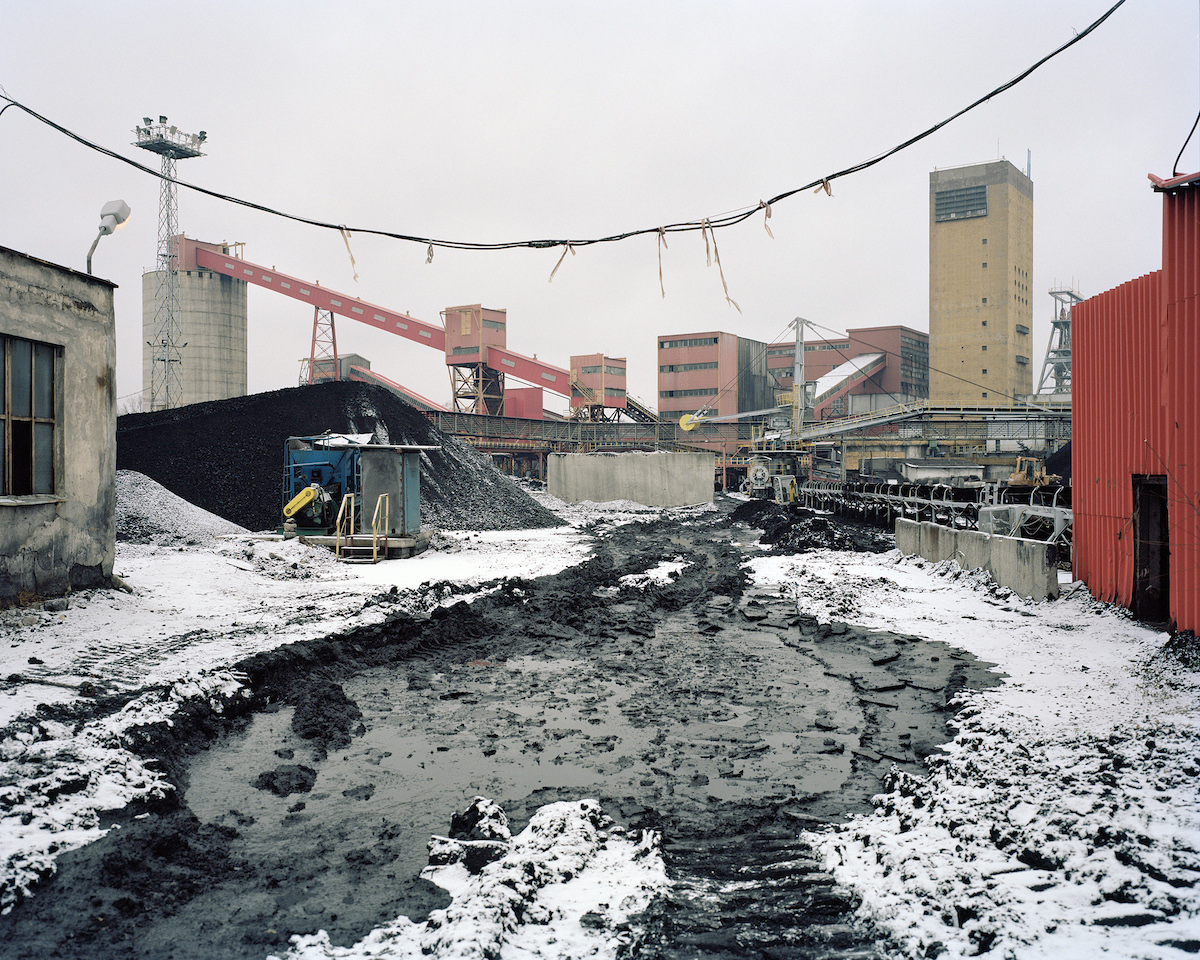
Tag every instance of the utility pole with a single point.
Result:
(799, 390)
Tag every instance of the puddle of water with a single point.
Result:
(731, 722)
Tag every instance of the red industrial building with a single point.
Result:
(598, 383)
(868, 369)
(1135, 433)
(721, 373)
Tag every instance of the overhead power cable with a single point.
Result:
(702, 224)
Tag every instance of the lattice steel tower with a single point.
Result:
(166, 376)
(1055, 380)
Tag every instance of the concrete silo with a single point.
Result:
(211, 346)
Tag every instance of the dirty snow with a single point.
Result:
(570, 861)
(1064, 819)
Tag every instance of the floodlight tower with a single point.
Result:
(166, 377)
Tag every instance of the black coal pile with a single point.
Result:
(791, 528)
(1059, 462)
(228, 456)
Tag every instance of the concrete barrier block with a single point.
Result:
(655, 479)
(908, 537)
(1027, 567)
(937, 542)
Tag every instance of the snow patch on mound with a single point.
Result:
(1064, 818)
(147, 512)
(564, 888)
(57, 780)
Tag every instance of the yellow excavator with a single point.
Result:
(1031, 472)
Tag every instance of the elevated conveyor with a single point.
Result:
(363, 375)
(845, 377)
(340, 304)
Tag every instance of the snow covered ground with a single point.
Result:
(1064, 819)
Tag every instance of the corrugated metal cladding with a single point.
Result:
(1135, 372)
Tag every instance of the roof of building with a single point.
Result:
(1172, 183)
(843, 371)
(58, 266)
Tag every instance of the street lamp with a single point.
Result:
(112, 217)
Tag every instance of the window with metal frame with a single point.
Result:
(27, 416)
(960, 204)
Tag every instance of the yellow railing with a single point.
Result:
(384, 501)
(345, 523)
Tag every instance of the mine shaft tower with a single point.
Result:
(172, 144)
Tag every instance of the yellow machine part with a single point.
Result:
(300, 501)
(686, 422)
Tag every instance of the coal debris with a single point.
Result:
(227, 456)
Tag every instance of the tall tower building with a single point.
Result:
(980, 266)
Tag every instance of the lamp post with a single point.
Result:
(113, 216)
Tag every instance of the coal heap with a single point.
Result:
(227, 456)
(791, 528)
(1059, 462)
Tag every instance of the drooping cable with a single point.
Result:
(1175, 165)
(699, 224)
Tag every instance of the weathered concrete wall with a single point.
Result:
(655, 479)
(1028, 567)
(396, 473)
(51, 543)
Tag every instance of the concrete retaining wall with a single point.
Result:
(655, 479)
(1029, 567)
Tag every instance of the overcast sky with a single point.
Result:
(493, 121)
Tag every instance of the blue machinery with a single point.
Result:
(351, 475)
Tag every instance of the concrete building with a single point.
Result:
(58, 420)
(980, 266)
(720, 372)
(212, 321)
(899, 374)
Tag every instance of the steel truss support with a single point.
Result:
(323, 362)
(166, 358)
(1056, 368)
(477, 388)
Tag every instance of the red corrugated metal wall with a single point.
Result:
(1135, 357)
(1181, 291)
(1116, 366)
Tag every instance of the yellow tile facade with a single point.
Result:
(980, 266)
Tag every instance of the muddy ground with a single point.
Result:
(698, 707)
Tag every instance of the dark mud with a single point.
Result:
(697, 707)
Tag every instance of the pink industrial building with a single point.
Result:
(598, 382)
(868, 369)
(721, 373)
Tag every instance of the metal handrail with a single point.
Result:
(385, 502)
(341, 523)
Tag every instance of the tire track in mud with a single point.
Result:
(712, 714)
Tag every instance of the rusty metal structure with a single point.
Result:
(1135, 430)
